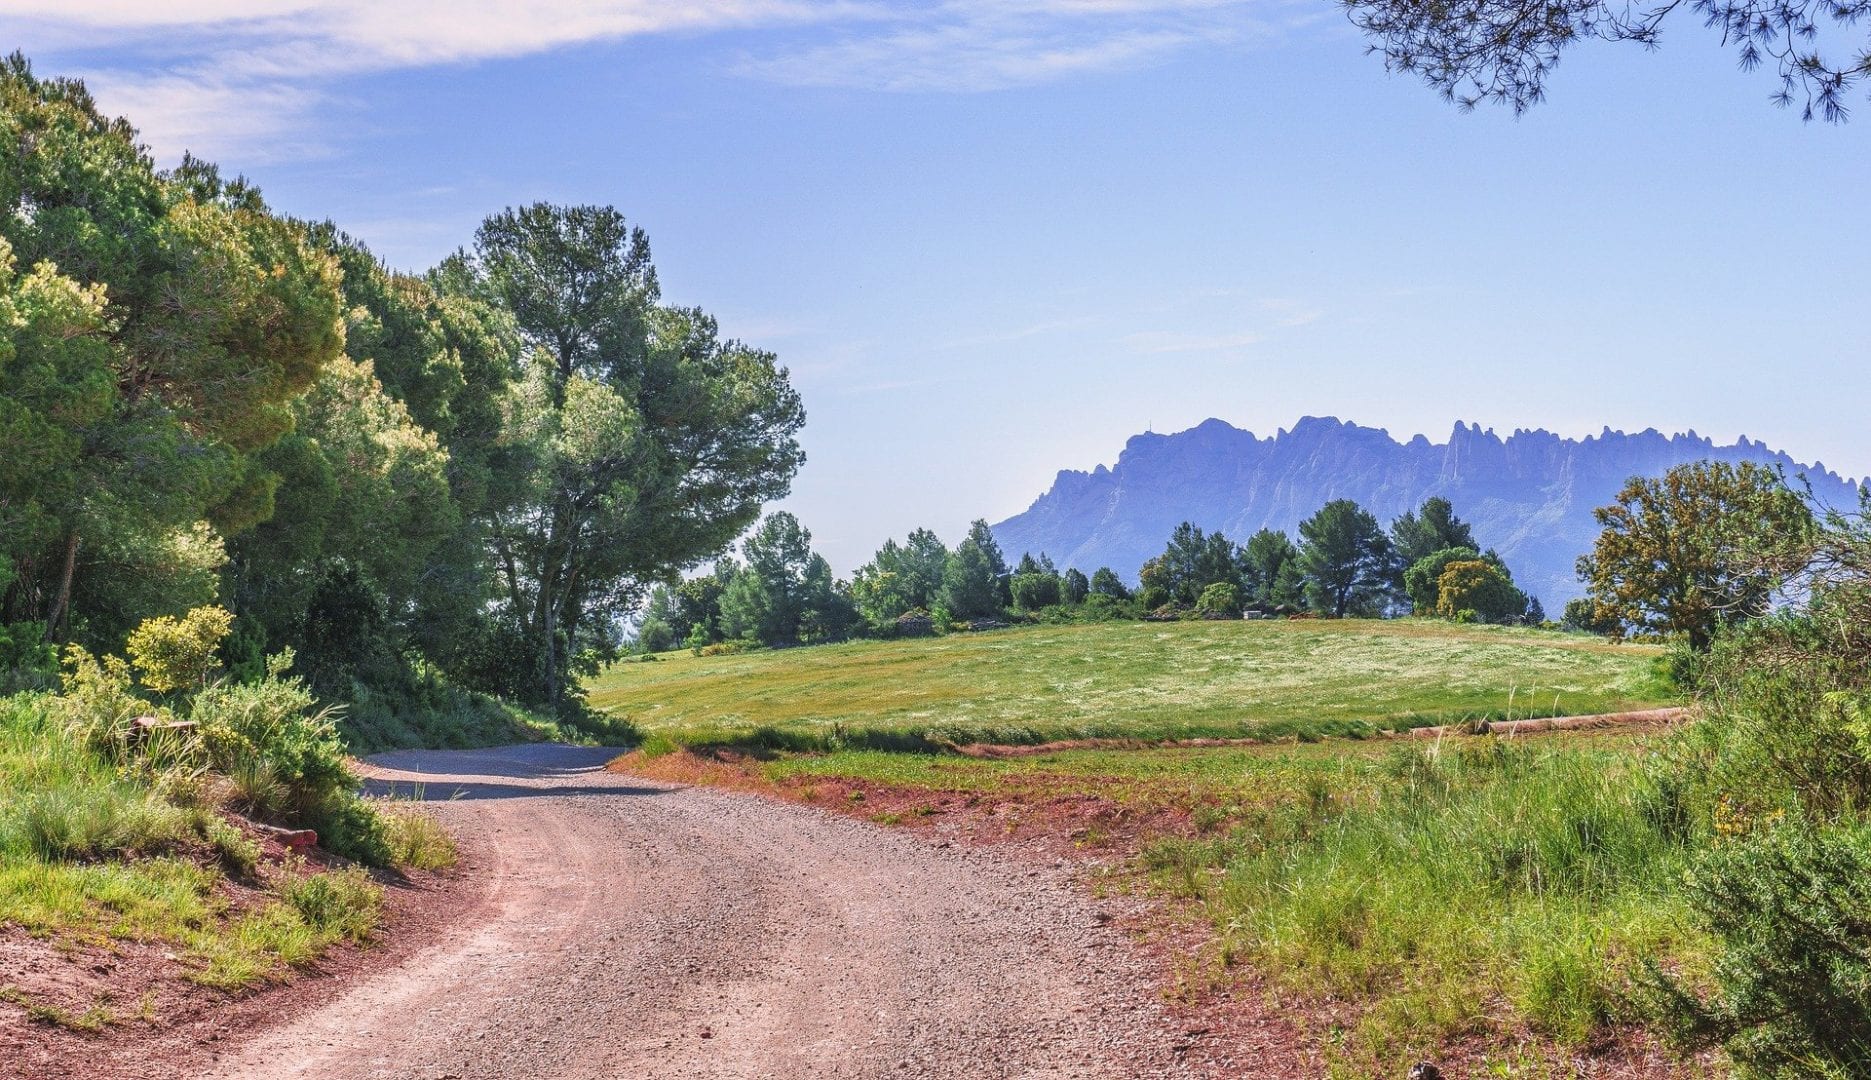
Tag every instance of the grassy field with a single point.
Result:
(1482, 897)
(1129, 680)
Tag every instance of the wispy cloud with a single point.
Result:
(253, 79)
(1020, 333)
(980, 45)
(1175, 341)
(249, 78)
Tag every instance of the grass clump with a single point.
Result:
(416, 840)
(1460, 883)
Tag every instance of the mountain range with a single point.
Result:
(1529, 496)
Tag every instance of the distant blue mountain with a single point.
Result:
(1529, 496)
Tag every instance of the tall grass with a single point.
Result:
(93, 849)
(1475, 891)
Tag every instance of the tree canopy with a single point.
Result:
(1345, 559)
(470, 475)
(644, 442)
(162, 326)
(1703, 546)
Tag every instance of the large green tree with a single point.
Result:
(192, 318)
(1481, 588)
(785, 593)
(1344, 558)
(1267, 567)
(1702, 546)
(645, 442)
(1192, 561)
(974, 583)
(1432, 528)
(901, 577)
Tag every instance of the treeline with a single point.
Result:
(425, 485)
(1343, 565)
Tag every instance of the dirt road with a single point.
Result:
(628, 929)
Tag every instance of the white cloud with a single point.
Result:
(981, 45)
(249, 80)
(248, 121)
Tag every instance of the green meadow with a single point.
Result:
(1148, 681)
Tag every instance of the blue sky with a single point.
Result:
(992, 239)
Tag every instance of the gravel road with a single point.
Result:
(622, 928)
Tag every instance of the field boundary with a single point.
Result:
(1634, 718)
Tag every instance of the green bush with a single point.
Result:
(352, 827)
(1791, 910)
(1221, 598)
(1784, 709)
(173, 654)
(100, 704)
(274, 730)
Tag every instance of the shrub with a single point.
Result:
(727, 648)
(176, 654)
(655, 636)
(100, 704)
(349, 826)
(274, 727)
(1791, 910)
(1220, 598)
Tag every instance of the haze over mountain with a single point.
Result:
(1529, 496)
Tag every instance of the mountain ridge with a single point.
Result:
(1529, 495)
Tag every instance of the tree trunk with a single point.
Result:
(61, 607)
(551, 627)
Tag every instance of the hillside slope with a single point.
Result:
(1530, 496)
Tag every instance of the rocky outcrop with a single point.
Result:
(1529, 496)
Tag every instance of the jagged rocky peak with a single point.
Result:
(1530, 496)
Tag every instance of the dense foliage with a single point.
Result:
(1704, 546)
(426, 486)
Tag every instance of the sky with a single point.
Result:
(993, 239)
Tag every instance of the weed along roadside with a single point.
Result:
(165, 855)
